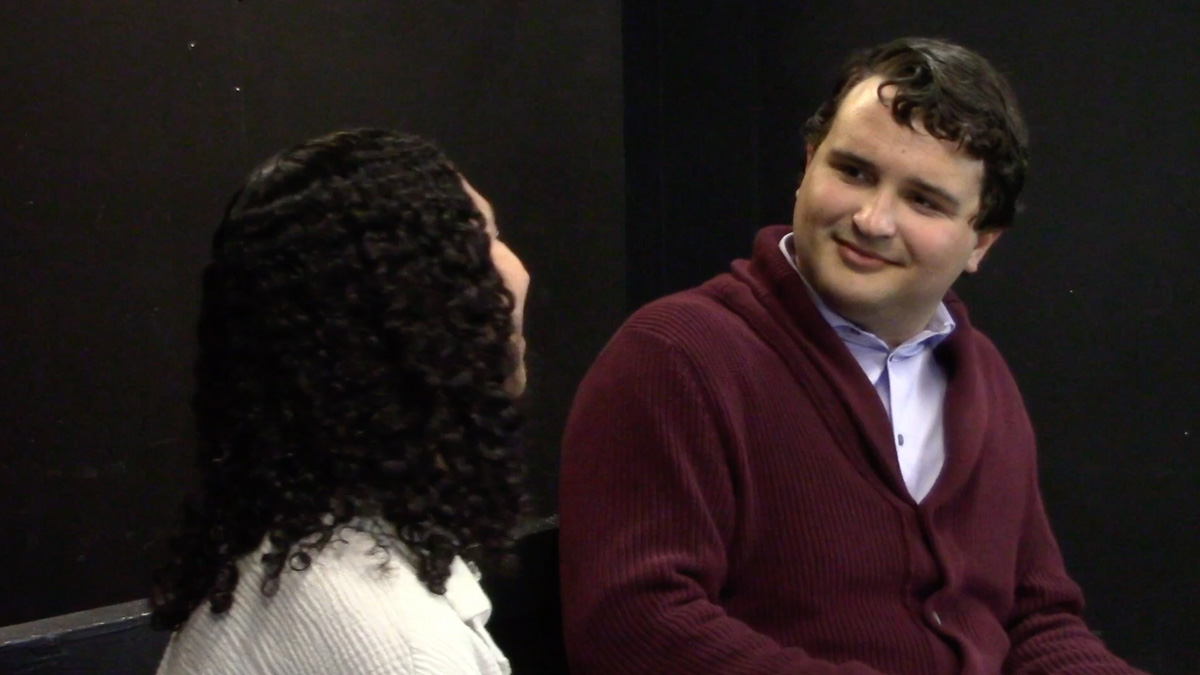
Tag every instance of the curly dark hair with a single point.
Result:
(958, 96)
(354, 356)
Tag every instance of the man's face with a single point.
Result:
(883, 218)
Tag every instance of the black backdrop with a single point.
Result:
(1095, 296)
(125, 126)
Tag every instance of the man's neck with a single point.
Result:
(893, 330)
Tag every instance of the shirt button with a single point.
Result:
(900, 439)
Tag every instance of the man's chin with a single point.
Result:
(849, 290)
(856, 305)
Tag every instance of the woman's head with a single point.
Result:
(358, 358)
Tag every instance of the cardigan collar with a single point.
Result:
(769, 295)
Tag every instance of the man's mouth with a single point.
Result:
(859, 257)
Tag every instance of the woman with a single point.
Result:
(360, 350)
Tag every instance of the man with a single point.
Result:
(814, 463)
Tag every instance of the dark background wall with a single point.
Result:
(126, 126)
(1095, 296)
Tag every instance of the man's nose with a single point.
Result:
(876, 218)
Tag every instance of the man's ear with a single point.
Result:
(983, 242)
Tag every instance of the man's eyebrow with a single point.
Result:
(848, 157)
(950, 201)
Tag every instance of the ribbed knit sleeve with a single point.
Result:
(647, 515)
(1047, 630)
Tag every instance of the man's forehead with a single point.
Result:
(872, 105)
(865, 129)
(870, 87)
(869, 96)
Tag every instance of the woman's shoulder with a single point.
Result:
(365, 586)
(367, 574)
(357, 607)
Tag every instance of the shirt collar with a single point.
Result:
(464, 593)
(463, 590)
(939, 327)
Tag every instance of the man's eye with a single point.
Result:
(925, 203)
(850, 172)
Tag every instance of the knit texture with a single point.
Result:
(731, 503)
(355, 610)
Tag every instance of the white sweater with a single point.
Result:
(344, 614)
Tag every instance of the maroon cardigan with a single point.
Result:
(731, 502)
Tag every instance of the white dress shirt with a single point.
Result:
(356, 609)
(910, 383)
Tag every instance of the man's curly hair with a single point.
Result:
(959, 97)
(354, 355)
